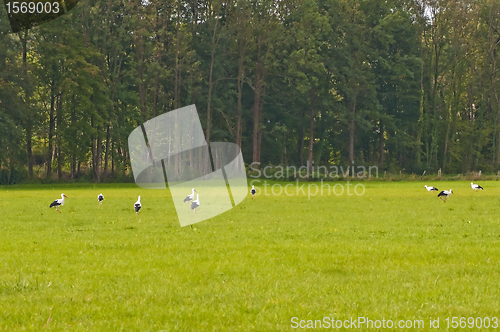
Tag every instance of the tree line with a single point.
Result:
(407, 85)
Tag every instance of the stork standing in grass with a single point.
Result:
(195, 203)
(253, 191)
(58, 202)
(445, 194)
(137, 205)
(189, 198)
(100, 198)
(476, 187)
(431, 188)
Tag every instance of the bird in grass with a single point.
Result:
(476, 187)
(100, 198)
(189, 198)
(137, 205)
(58, 202)
(195, 203)
(252, 191)
(431, 188)
(445, 194)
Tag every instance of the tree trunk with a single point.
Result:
(210, 80)
(311, 128)
(51, 130)
(141, 87)
(107, 151)
(301, 146)
(352, 108)
(58, 136)
(177, 60)
(28, 124)
(381, 148)
(257, 106)
(241, 75)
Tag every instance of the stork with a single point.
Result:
(189, 198)
(137, 205)
(58, 202)
(100, 198)
(445, 194)
(253, 191)
(431, 188)
(195, 203)
(475, 186)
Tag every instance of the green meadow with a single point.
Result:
(395, 253)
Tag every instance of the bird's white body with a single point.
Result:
(431, 188)
(476, 187)
(100, 198)
(189, 198)
(195, 203)
(58, 202)
(137, 205)
(445, 194)
(252, 191)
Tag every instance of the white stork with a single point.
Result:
(445, 194)
(137, 205)
(475, 186)
(252, 191)
(58, 202)
(195, 203)
(431, 188)
(189, 198)
(100, 198)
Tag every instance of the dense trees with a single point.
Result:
(406, 85)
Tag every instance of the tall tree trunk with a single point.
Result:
(107, 151)
(74, 138)
(140, 69)
(210, 80)
(29, 123)
(241, 75)
(58, 136)
(98, 158)
(381, 147)
(257, 104)
(51, 130)
(311, 128)
(352, 108)
(301, 146)
(322, 135)
(177, 60)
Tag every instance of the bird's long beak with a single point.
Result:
(65, 196)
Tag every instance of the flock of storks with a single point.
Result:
(446, 193)
(195, 203)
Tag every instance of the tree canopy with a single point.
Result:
(407, 85)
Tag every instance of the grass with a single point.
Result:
(396, 252)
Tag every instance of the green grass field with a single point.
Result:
(396, 252)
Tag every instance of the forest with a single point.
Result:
(405, 85)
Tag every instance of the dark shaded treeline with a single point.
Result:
(406, 85)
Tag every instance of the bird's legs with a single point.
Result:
(57, 210)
